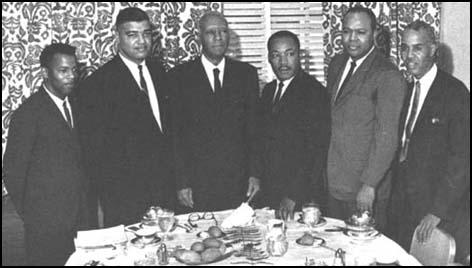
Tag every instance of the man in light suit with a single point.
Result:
(214, 126)
(126, 126)
(432, 183)
(295, 130)
(42, 164)
(367, 94)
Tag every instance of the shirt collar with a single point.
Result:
(58, 101)
(427, 80)
(361, 60)
(130, 64)
(210, 66)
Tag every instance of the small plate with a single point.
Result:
(139, 241)
(319, 224)
(317, 243)
(351, 225)
(222, 257)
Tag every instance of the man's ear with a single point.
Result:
(45, 73)
(434, 50)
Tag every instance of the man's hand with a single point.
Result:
(185, 197)
(254, 186)
(365, 198)
(426, 227)
(287, 207)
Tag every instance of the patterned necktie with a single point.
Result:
(68, 116)
(348, 76)
(216, 80)
(279, 93)
(142, 82)
(411, 120)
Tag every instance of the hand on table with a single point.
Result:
(254, 186)
(365, 198)
(426, 227)
(286, 209)
(185, 197)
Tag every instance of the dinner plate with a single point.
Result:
(319, 224)
(362, 236)
(222, 257)
(140, 242)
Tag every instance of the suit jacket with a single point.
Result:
(127, 155)
(364, 126)
(437, 168)
(296, 138)
(214, 132)
(43, 171)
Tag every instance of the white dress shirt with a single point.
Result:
(133, 68)
(425, 84)
(59, 103)
(284, 88)
(208, 66)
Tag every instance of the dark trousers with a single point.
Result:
(342, 210)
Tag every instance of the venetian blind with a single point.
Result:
(252, 23)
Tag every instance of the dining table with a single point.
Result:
(377, 249)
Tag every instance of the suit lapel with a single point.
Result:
(54, 112)
(405, 107)
(290, 92)
(158, 82)
(433, 99)
(337, 81)
(357, 77)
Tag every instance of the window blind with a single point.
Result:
(252, 23)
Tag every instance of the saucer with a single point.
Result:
(140, 242)
(317, 243)
(320, 223)
(362, 236)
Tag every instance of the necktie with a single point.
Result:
(142, 82)
(68, 116)
(216, 80)
(411, 119)
(348, 76)
(279, 93)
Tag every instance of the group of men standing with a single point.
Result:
(199, 138)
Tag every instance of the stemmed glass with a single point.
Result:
(166, 222)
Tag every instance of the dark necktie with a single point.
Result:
(142, 82)
(279, 93)
(216, 80)
(346, 80)
(68, 116)
(411, 119)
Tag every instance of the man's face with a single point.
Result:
(284, 58)
(61, 75)
(214, 36)
(135, 40)
(358, 36)
(417, 51)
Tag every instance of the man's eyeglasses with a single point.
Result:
(194, 217)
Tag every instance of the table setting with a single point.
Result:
(244, 236)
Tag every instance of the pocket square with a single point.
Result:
(435, 120)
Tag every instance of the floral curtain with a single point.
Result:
(27, 27)
(392, 18)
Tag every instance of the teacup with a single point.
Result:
(311, 213)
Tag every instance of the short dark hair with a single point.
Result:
(207, 16)
(282, 34)
(58, 48)
(367, 11)
(131, 14)
(418, 25)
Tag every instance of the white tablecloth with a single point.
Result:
(380, 248)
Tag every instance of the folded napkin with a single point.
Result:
(242, 216)
(100, 238)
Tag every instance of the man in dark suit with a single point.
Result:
(126, 133)
(433, 176)
(367, 94)
(295, 122)
(214, 106)
(43, 171)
